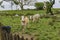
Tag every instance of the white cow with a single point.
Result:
(36, 17)
(22, 18)
(22, 21)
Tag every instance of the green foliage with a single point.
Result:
(48, 7)
(39, 5)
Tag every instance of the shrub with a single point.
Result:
(39, 5)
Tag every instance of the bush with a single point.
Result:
(39, 5)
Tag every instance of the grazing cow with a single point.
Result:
(6, 29)
(36, 17)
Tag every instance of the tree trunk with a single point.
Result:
(21, 4)
(21, 7)
(11, 5)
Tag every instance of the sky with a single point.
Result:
(8, 4)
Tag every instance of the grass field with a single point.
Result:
(41, 30)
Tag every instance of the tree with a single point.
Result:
(39, 5)
(22, 2)
(16, 3)
(49, 5)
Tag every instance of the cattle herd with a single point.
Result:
(25, 19)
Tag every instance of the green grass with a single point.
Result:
(41, 30)
(20, 12)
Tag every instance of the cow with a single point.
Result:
(36, 17)
(24, 22)
(26, 19)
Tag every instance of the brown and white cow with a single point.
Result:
(24, 21)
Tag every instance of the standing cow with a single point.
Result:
(24, 21)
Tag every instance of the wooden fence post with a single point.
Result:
(15, 37)
(26, 38)
(22, 38)
(32, 38)
(18, 37)
(10, 36)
